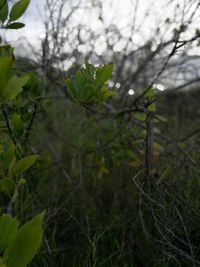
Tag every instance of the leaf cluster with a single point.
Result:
(89, 84)
(9, 17)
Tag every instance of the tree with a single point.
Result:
(147, 47)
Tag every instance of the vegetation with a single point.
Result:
(120, 185)
(18, 245)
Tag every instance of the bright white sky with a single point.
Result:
(118, 12)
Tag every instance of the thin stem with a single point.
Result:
(149, 145)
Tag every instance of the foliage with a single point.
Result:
(88, 85)
(18, 245)
(8, 18)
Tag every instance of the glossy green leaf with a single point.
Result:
(18, 9)
(103, 74)
(3, 10)
(26, 243)
(8, 231)
(15, 26)
(22, 165)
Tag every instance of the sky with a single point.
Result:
(118, 12)
(113, 10)
(149, 14)
(34, 29)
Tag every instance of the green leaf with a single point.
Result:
(80, 79)
(72, 89)
(105, 93)
(140, 116)
(150, 93)
(90, 71)
(14, 87)
(18, 9)
(3, 10)
(26, 243)
(9, 156)
(15, 26)
(22, 165)
(103, 74)
(8, 231)
(33, 84)
(17, 125)
(7, 186)
(89, 84)
(152, 107)
(5, 69)
(87, 93)
(160, 118)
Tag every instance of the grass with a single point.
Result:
(100, 213)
